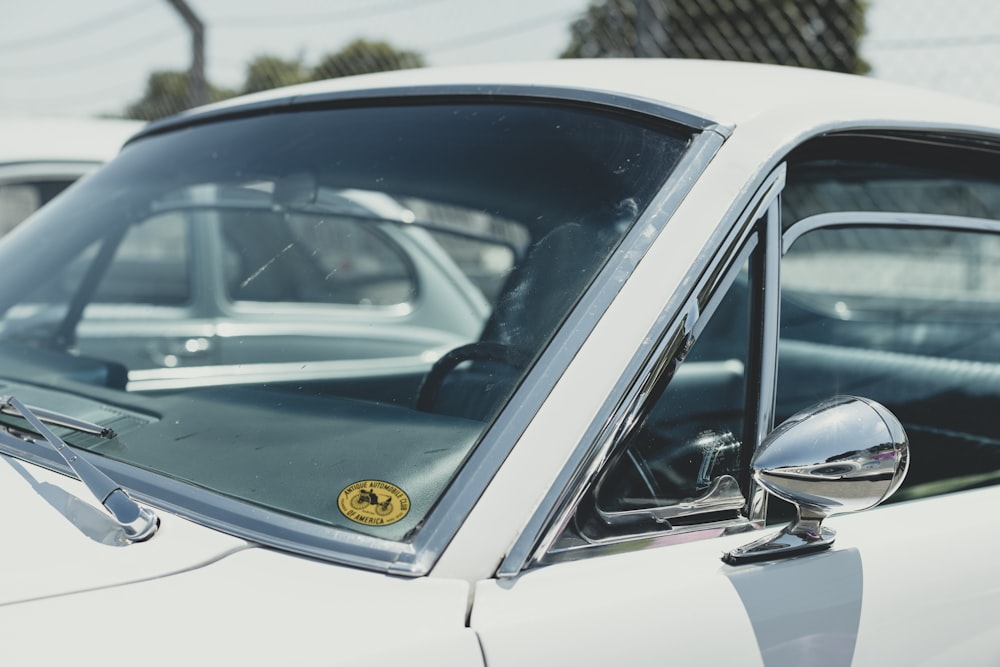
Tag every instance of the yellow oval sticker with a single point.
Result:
(373, 502)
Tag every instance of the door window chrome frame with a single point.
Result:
(885, 219)
(670, 337)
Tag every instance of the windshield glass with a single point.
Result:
(319, 312)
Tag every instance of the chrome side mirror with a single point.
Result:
(845, 454)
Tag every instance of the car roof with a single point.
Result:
(728, 93)
(63, 139)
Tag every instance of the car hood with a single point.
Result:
(192, 593)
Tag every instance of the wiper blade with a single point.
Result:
(137, 522)
(59, 419)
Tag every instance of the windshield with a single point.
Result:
(318, 312)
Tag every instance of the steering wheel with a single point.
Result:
(480, 351)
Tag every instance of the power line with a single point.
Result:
(500, 32)
(312, 19)
(76, 31)
(958, 41)
(91, 60)
(51, 104)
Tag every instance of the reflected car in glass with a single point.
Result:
(41, 157)
(454, 366)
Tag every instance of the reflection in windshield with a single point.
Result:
(261, 301)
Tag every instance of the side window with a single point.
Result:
(682, 463)
(18, 200)
(905, 316)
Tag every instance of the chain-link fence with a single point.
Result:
(814, 33)
(948, 45)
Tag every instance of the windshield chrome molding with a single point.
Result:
(673, 331)
(231, 516)
(417, 556)
(884, 219)
(453, 507)
(442, 94)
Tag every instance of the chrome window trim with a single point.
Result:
(442, 94)
(884, 219)
(673, 331)
(234, 517)
(770, 325)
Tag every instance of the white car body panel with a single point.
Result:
(194, 595)
(72, 545)
(680, 604)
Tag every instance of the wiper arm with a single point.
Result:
(59, 419)
(138, 523)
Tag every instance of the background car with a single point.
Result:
(224, 293)
(40, 157)
(743, 304)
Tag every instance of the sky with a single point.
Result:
(92, 57)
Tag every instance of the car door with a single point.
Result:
(629, 564)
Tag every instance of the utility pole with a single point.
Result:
(197, 87)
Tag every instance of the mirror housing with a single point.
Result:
(845, 454)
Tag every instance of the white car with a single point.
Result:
(746, 303)
(40, 157)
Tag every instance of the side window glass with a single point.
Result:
(18, 200)
(906, 317)
(681, 464)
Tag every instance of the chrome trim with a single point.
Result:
(884, 219)
(721, 495)
(497, 93)
(227, 515)
(771, 318)
(843, 455)
(673, 333)
(650, 540)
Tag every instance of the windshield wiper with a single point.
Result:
(137, 522)
(59, 419)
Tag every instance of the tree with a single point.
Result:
(266, 72)
(166, 94)
(823, 34)
(362, 57)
